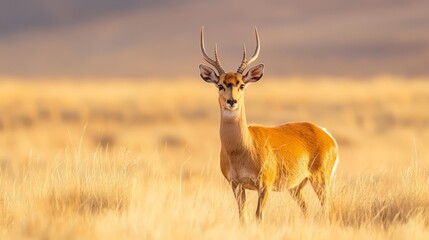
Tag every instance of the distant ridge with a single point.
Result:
(160, 38)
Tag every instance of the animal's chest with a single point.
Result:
(241, 171)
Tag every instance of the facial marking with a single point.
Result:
(228, 113)
(231, 95)
(231, 81)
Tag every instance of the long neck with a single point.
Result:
(234, 132)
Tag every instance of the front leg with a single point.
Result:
(263, 193)
(240, 196)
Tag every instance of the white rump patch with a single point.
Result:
(326, 131)
(334, 169)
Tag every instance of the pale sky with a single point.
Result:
(130, 38)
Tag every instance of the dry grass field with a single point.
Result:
(140, 160)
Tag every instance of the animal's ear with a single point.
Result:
(254, 74)
(208, 74)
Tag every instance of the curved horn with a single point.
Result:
(244, 62)
(214, 63)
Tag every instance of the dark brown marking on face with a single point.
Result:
(232, 80)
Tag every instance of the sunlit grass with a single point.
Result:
(128, 160)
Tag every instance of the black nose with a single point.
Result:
(231, 102)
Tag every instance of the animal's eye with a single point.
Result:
(220, 87)
(242, 86)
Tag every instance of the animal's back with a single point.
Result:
(294, 151)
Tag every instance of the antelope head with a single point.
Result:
(231, 85)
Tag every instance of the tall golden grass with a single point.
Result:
(139, 160)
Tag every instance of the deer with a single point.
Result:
(266, 159)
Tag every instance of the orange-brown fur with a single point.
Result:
(271, 158)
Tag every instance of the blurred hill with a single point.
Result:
(130, 38)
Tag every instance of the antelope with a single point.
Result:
(266, 159)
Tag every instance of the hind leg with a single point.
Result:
(320, 185)
(297, 194)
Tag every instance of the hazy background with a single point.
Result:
(84, 158)
(130, 38)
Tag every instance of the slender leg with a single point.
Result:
(240, 196)
(319, 184)
(262, 201)
(297, 194)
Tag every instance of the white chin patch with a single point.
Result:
(230, 113)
